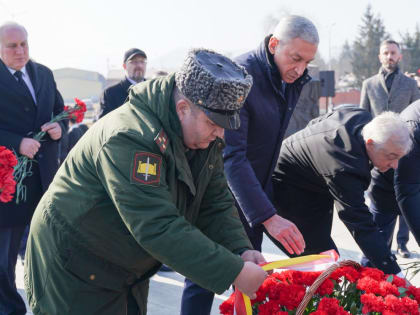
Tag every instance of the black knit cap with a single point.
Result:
(216, 84)
(133, 52)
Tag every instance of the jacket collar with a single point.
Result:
(265, 58)
(386, 73)
(11, 82)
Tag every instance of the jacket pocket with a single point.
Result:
(97, 272)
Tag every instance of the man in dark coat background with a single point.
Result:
(327, 165)
(29, 97)
(135, 62)
(278, 67)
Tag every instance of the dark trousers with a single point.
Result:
(10, 300)
(195, 299)
(386, 223)
(22, 246)
(403, 232)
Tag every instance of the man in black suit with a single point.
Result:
(135, 62)
(29, 97)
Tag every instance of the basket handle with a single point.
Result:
(321, 278)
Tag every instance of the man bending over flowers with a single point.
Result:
(145, 186)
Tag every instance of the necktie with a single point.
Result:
(18, 74)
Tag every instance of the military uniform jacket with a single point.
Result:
(407, 175)
(329, 157)
(375, 97)
(127, 198)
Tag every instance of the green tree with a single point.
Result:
(410, 45)
(365, 50)
(342, 65)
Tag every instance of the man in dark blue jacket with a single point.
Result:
(278, 67)
(392, 195)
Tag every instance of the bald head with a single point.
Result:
(14, 50)
(8, 26)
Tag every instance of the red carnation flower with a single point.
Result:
(372, 303)
(331, 306)
(397, 281)
(368, 285)
(326, 288)
(348, 272)
(386, 288)
(415, 292)
(7, 189)
(373, 273)
(7, 182)
(226, 308)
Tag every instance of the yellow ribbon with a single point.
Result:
(281, 264)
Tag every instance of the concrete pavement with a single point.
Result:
(166, 287)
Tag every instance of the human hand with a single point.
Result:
(253, 256)
(250, 279)
(29, 147)
(286, 233)
(53, 129)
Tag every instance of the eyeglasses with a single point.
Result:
(137, 62)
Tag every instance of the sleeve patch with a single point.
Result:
(146, 168)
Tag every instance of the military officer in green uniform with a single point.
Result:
(145, 186)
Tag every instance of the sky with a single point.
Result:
(93, 34)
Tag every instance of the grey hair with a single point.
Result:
(11, 25)
(295, 26)
(386, 126)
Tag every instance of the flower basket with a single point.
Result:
(321, 278)
(342, 288)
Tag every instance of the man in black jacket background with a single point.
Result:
(135, 63)
(328, 165)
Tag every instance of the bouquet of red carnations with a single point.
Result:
(346, 288)
(24, 166)
(8, 161)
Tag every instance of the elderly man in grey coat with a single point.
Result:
(390, 90)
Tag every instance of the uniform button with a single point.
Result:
(92, 277)
(385, 263)
(290, 108)
(26, 109)
(40, 156)
(211, 166)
